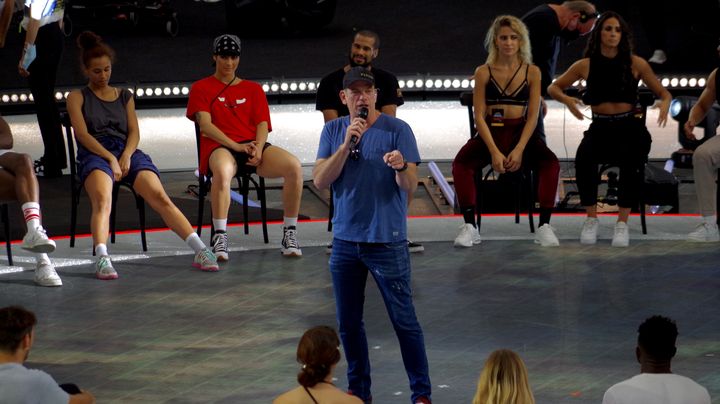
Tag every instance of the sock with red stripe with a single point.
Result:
(31, 211)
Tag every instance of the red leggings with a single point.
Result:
(474, 155)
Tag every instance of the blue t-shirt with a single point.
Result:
(20, 385)
(369, 205)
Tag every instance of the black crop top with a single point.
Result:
(609, 81)
(494, 95)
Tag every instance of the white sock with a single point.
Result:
(193, 240)
(100, 250)
(709, 219)
(290, 221)
(220, 224)
(31, 211)
(42, 257)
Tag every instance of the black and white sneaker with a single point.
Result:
(415, 247)
(219, 245)
(290, 245)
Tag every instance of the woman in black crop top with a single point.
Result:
(507, 102)
(617, 133)
(106, 130)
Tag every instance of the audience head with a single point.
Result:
(656, 340)
(16, 324)
(605, 22)
(92, 47)
(364, 48)
(518, 28)
(318, 352)
(504, 380)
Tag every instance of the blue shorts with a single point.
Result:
(88, 161)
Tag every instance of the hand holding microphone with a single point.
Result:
(354, 150)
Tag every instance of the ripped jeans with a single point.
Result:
(389, 264)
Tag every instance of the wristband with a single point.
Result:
(403, 168)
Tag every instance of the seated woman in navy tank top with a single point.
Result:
(106, 129)
(506, 99)
(617, 133)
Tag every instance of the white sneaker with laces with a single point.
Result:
(545, 236)
(104, 269)
(37, 241)
(704, 233)
(589, 232)
(468, 236)
(290, 245)
(621, 238)
(45, 274)
(219, 245)
(206, 261)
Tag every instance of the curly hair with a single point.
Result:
(518, 27)
(91, 47)
(15, 324)
(318, 350)
(657, 336)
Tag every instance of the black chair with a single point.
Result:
(76, 187)
(524, 179)
(6, 227)
(244, 177)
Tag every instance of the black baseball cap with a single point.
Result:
(358, 73)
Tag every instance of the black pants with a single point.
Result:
(43, 70)
(624, 142)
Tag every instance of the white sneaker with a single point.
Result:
(621, 238)
(545, 236)
(104, 269)
(37, 241)
(45, 274)
(589, 232)
(704, 233)
(658, 57)
(468, 236)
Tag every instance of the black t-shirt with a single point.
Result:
(544, 28)
(328, 93)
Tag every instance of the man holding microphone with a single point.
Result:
(371, 163)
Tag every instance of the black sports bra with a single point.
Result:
(494, 95)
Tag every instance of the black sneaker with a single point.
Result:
(328, 248)
(415, 247)
(219, 245)
(290, 245)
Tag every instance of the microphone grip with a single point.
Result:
(353, 142)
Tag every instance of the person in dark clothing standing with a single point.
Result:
(549, 26)
(39, 63)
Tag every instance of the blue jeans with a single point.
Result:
(389, 264)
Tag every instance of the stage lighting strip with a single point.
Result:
(309, 86)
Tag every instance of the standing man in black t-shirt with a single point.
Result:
(364, 49)
(549, 25)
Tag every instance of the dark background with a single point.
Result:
(418, 36)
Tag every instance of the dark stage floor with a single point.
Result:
(165, 333)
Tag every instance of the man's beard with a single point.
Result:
(355, 64)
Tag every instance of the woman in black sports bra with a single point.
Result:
(617, 133)
(507, 102)
(318, 352)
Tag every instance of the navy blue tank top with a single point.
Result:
(106, 118)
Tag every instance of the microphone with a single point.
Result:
(363, 114)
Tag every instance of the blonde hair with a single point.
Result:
(503, 380)
(518, 27)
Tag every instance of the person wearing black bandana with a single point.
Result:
(550, 25)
